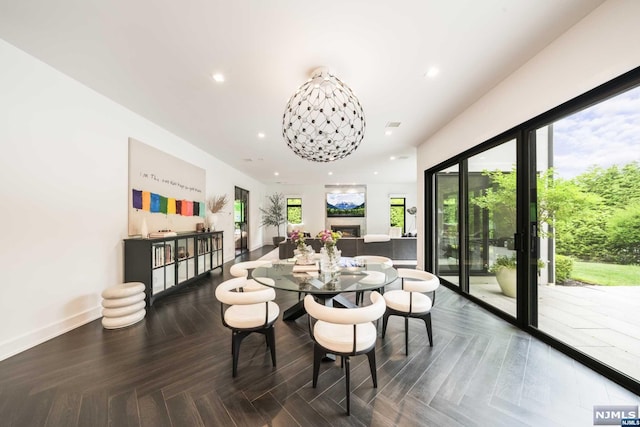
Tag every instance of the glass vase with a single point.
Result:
(330, 259)
(304, 254)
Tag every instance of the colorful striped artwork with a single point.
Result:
(152, 202)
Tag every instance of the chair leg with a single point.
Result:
(271, 343)
(427, 322)
(385, 319)
(317, 357)
(406, 336)
(347, 380)
(236, 340)
(372, 365)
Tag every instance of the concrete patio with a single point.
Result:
(601, 321)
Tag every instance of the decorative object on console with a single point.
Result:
(144, 230)
(162, 233)
(323, 120)
(215, 204)
(273, 215)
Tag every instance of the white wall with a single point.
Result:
(378, 205)
(314, 208)
(63, 170)
(600, 47)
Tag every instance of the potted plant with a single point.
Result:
(273, 215)
(506, 273)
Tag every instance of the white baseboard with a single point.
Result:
(24, 342)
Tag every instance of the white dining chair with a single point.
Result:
(412, 301)
(344, 332)
(363, 260)
(247, 312)
(241, 269)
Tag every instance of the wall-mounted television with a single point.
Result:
(345, 204)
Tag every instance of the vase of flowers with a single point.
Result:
(330, 255)
(303, 251)
(297, 237)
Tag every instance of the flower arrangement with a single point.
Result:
(329, 251)
(297, 237)
(329, 238)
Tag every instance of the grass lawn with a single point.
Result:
(596, 273)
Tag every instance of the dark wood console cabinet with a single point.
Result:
(165, 264)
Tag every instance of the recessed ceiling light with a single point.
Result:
(330, 173)
(260, 135)
(218, 77)
(276, 173)
(375, 173)
(392, 158)
(388, 132)
(432, 72)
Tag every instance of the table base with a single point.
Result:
(297, 310)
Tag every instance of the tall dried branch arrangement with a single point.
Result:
(217, 203)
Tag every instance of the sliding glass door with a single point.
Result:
(588, 166)
(241, 221)
(491, 226)
(447, 207)
(541, 225)
(475, 224)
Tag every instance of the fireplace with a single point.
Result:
(347, 230)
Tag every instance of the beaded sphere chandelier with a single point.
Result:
(323, 120)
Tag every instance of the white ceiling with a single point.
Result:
(156, 58)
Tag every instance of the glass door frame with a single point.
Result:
(242, 195)
(526, 235)
(525, 246)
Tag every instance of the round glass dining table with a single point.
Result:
(326, 286)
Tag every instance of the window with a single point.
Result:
(294, 210)
(397, 213)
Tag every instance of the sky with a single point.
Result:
(606, 134)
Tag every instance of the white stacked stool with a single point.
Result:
(123, 305)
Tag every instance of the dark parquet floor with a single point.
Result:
(174, 369)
